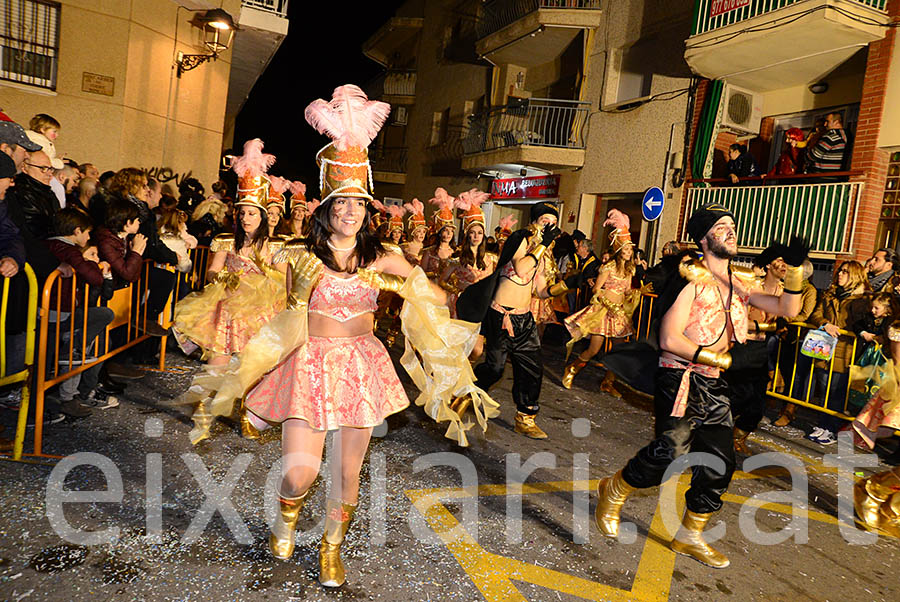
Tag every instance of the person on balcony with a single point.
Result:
(741, 164)
(791, 160)
(880, 269)
(701, 335)
(827, 155)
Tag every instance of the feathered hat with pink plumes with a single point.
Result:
(396, 212)
(507, 223)
(444, 215)
(416, 217)
(620, 236)
(277, 187)
(298, 197)
(251, 168)
(352, 121)
(470, 204)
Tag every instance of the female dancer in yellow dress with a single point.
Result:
(416, 229)
(317, 365)
(436, 257)
(246, 287)
(609, 314)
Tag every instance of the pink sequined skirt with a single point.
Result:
(331, 382)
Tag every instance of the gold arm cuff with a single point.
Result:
(558, 289)
(717, 360)
(765, 326)
(793, 279)
(381, 280)
(537, 252)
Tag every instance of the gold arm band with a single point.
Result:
(793, 280)
(537, 252)
(711, 358)
(765, 326)
(381, 280)
(558, 289)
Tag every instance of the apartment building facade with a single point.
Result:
(131, 82)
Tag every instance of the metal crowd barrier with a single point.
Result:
(128, 305)
(22, 376)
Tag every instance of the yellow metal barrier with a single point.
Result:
(193, 281)
(23, 376)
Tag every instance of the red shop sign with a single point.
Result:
(719, 7)
(543, 187)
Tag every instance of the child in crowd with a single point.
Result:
(79, 393)
(125, 258)
(874, 325)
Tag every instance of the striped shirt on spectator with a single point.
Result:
(828, 153)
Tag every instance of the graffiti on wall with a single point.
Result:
(167, 174)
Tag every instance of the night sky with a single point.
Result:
(309, 66)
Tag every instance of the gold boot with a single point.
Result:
(570, 372)
(525, 425)
(890, 520)
(337, 522)
(787, 415)
(606, 385)
(740, 442)
(689, 541)
(611, 495)
(281, 539)
(870, 494)
(203, 421)
(248, 431)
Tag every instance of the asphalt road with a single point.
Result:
(508, 518)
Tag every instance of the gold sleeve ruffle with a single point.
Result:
(222, 242)
(444, 345)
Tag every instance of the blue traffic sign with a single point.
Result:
(653, 203)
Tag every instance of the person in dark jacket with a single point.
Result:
(131, 184)
(125, 258)
(34, 197)
(741, 164)
(12, 253)
(79, 392)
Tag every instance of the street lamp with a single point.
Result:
(218, 30)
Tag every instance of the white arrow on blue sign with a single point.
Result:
(653, 203)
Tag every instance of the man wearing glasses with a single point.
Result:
(32, 196)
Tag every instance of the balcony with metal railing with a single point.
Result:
(278, 7)
(389, 164)
(772, 44)
(544, 132)
(824, 211)
(532, 32)
(397, 87)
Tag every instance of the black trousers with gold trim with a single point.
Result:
(523, 350)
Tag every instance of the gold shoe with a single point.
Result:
(787, 415)
(203, 421)
(570, 372)
(606, 385)
(740, 442)
(890, 520)
(337, 522)
(689, 541)
(281, 539)
(525, 425)
(870, 496)
(248, 431)
(611, 493)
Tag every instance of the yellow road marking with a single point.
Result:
(493, 575)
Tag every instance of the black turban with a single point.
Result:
(539, 209)
(703, 218)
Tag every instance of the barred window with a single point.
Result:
(29, 42)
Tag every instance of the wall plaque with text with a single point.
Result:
(97, 84)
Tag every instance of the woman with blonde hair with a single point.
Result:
(840, 306)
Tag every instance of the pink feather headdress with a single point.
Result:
(507, 223)
(415, 207)
(444, 215)
(471, 199)
(298, 190)
(312, 205)
(253, 162)
(396, 211)
(442, 199)
(416, 217)
(278, 185)
(350, 119)
(620, 236)
(379, 206)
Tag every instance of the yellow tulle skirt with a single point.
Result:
(221, 320)
(605, 318)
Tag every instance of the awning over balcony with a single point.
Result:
(391, 37)
(532, 32)
(825, 213)
(772, 44)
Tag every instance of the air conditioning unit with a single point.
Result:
(743, 110)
